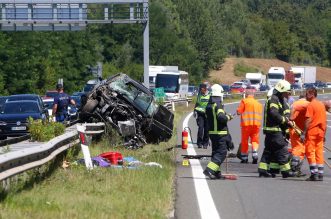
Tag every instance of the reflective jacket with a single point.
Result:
(275, 112)
(216, 117)
(250, 111)
(202, 102)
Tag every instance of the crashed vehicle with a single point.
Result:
(128, 107)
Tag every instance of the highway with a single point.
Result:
(249, 196)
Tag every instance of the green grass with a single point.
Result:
(146, 192)
(240, 70)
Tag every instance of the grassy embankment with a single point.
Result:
(145, 192)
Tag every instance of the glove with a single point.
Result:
(303, 137)
(230, 116)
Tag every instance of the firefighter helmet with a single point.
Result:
(283, 86)
(217, 90)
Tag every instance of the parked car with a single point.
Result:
(226, 88)
(128, 107)
(2, 101)
(246, 82)
(328, 84)
(250, 88)
(14, 115)
(320, 84)
(295, 87)
(308, 85)
(78, 93)
(239, 83)
(192, 90)
(237, 89)
(264, 87)
(34, 97)
(77, 100)
(50, 94)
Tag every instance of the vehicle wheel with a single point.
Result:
(90, 106)
(3, 137)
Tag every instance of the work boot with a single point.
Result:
(219, 175)
(207, 172)
(205, 146)
(313, 177)
(254, 160)
(244, 161)
(264, 174)
(199, 146)
(287, 174)
(320, 177)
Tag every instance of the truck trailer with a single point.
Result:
(304, 74)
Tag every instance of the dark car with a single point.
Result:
(226, 88)
(264, 87)
(320, 84)
(51, 94)
(77, 100)
(129, 107)
(14, 115)
(2, 101)
(33, 97)
(308, 85)
(295, 87)
(192, 90)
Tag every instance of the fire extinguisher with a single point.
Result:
(185, 138)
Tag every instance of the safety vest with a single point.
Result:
(202, 102)
(276, 122)
(217, 119)
(252, 113)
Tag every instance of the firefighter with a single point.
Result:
(298, 115)
(275, 156)
(200, 115)
(314, 135)
(218, 132)
(251, 115)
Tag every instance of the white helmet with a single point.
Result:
(283, 86)
(217, 90)
(269, 94)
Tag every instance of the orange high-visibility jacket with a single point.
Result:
(250, 111)
(298, 112)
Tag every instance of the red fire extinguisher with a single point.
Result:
(184, 138)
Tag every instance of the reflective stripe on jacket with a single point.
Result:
(274, 115)
(251, 112)
(216, 117)
(202, 102)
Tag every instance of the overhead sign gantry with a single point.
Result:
(74, 15)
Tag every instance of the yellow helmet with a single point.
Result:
(283, 86)
(217, 90)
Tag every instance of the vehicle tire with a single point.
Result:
(90, 106)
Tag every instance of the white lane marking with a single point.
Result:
(205, 200)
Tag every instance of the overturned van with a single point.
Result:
(128, 107)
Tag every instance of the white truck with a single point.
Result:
(304, 74)
(256, 79)
(275, 74)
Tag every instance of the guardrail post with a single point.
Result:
(323, 90)
(186, 103)
(84, 142)
(173, 105)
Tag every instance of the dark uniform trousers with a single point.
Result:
(275, 153)
(203, 136)
(219, 148)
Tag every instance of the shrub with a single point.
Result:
(43, 130)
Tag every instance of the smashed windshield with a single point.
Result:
(140, 99)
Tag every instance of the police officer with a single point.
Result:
(61, 103)
(218, 132)
(275, 156)
(200, 115)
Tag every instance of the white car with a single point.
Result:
(240, 83)
(328, 84)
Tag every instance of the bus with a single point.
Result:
(174, 83)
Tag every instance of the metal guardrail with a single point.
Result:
(13, 163)
(170, 104)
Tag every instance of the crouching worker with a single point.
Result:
(218, 132)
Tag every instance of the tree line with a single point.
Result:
(196, 35)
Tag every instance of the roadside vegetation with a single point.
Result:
(240, 70)
(74, 192)
(44, 131)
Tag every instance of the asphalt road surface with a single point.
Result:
(249, 196)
